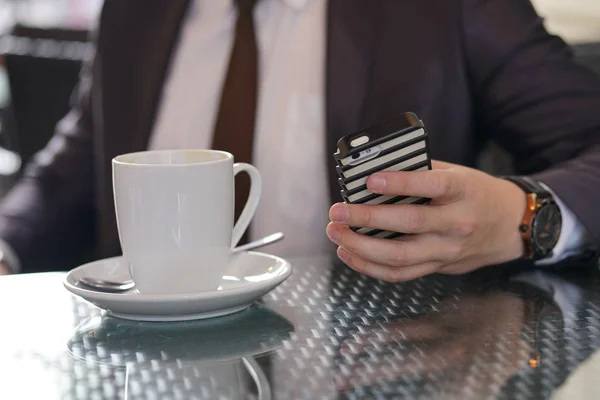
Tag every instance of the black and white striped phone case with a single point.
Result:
(398, 144)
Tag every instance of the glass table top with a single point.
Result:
(325, 333)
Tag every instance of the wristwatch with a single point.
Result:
(542, 221)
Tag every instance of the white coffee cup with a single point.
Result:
(175, 214)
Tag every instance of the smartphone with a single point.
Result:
(397, 144)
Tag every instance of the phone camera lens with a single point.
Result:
(355, 156)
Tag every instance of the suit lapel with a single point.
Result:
(350, 34)
(135, 51)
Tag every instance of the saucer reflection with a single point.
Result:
(253, 332)
(223, 357)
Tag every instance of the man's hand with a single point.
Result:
(472, 221)
(4, 270)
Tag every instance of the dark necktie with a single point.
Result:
(234, 128)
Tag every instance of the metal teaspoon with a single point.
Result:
(110, 286)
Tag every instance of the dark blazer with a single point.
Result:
(473, 70)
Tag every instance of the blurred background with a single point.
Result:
(43, 42)
(42, 46)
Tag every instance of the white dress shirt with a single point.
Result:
(289, 146)
(289, 142)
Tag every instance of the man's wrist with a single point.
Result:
(516, 201)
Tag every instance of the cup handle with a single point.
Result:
(252, 202)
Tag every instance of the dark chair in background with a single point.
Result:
(43, 67)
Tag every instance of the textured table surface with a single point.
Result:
(326, 333)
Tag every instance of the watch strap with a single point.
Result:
(528, 185)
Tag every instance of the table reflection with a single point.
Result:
(447, 352)
(325, 333)
(466, 338)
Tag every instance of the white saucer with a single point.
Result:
(249, 276)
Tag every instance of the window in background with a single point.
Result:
(70, 14)
(577, 21)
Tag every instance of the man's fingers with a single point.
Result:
(394, 253)
(404, 218)
(443, 185)
(436, 164)
(384, 272)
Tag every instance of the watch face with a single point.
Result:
(546, 227)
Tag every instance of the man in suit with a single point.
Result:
(290, 77)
